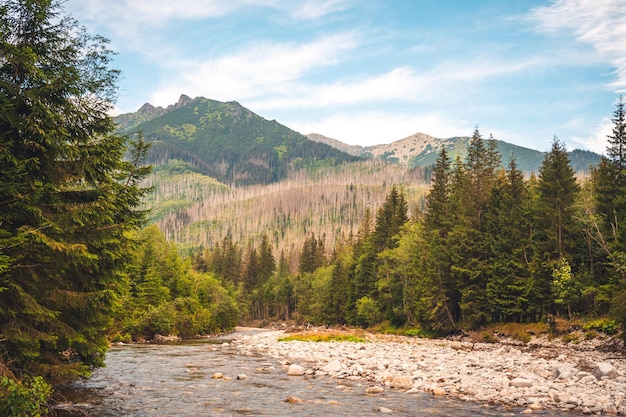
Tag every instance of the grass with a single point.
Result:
(522, 332)
(323, 337)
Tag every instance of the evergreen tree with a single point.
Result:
(392, 215)
(267, 263)
(467, 238)
(555, 229)
(67, 195)
(251, 274)
(312, 256)
(508, 238)
(609, 181)
(439, 298)
(616, 149)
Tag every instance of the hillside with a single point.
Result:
(422, 150)
(196, 211)
(226, 141)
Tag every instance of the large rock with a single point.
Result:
(332, 367)
(295, 370)
(521, 383)
(374, 390)
(603, 369)
(402, 382)
(564, 372)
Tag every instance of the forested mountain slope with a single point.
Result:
(226, 141)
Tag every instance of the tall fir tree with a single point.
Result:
(508, 237)
(67, 195)
(555, 228)
(439, 295)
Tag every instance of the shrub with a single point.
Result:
(605, 325)
(27, 398)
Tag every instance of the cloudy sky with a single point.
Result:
(369, 72)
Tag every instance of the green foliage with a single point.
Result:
(604, 325)
(565, 287)
(229, 142)
(70, 192)
(163, 295)
(367, 312)
(25, 398)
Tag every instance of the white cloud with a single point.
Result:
(314, 9)
(264, 68)
(376, 127)
(597, 141)
(599, 23)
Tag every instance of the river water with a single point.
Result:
(177, 380)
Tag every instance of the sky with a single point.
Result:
(370, 72)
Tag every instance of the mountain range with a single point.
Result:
(421, 149)
(226, 141)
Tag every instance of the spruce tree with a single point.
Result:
(508, 238)
(439, 296)
(555, 227)
(68, 195)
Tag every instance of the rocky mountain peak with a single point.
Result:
(147, 108)
(183, 100)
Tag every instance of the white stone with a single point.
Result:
(333, 366)
(603, 369)
(521, 383)
(295, 370)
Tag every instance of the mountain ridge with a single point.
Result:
(421, 149)
(226, 141)
(417, 150)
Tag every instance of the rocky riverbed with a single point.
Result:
(586, 378)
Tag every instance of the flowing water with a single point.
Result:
(177, 380)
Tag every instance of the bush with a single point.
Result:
(606, 326)
(26, 398)
(367, 312)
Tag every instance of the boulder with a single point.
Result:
(295, 370)
(332, 367)
(374, 390)
(402, 382)
(521, 383)
(603, 369)
(293, 400)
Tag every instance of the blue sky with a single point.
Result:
(368, 72)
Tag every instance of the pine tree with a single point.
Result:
(67, 195)
(508, 238)
(267, 263)
(609, 181)
(467, 239)
(555, 229)
(439, 298)
(616, 150)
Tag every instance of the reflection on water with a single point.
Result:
(177, 380)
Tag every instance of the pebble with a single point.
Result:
(544, 374)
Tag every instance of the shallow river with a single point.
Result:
(177, 380)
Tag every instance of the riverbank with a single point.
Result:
(586, 377)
